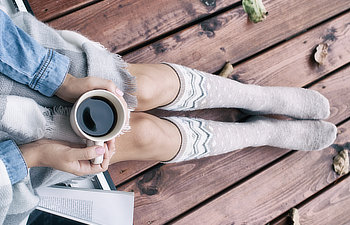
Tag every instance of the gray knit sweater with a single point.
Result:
(87, 59)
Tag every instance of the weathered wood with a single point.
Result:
(337, 90)
(294, 58)
(331, 207)
(230, 37)
(122, 171)
(165, 192)
(46, 10)
(165, 207)
(122, 24)
(273, 191)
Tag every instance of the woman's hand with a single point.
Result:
(72, 87)
(68, 157)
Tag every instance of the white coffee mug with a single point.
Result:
(120, 109)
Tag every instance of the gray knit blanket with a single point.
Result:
(88, 58)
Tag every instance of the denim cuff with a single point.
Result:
(13, 160)
(51, 74)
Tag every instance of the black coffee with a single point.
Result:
(96, 116)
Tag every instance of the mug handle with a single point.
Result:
(99, 159)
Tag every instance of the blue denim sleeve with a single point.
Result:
(13, 160)
(26, 61)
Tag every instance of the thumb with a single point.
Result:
(87, 153)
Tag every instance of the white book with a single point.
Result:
(90, 206)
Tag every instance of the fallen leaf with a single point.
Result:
(321, 53)
(255, 10)
(294, 217)
(341, 163)
(227, 70)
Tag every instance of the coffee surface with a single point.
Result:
(96, 116)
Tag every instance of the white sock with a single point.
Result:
(202, 138)
(199, 90)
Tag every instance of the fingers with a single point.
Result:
(87, 153)
(100, 83)
(84, 155)
(111, 147)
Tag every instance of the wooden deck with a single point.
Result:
(253, 185)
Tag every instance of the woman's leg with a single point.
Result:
(189, 89)
(152, 138)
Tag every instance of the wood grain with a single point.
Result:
(328, 208)
(231, 37)
(337, 90)
(119, 25)
(288, 62)
(273, 191)
(331, 207)
(122, 171)
(49, 9)
(166, 192)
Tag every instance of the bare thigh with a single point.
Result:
(157, 85)
(150, 138)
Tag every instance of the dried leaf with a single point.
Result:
(341, 163)
(227, 70)
(321, 53)
(255, 10)
(294, 217)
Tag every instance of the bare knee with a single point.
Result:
(144, 130)
(154, 138)
(146, 92)
(156, 85)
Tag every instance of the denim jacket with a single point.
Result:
(25, 61)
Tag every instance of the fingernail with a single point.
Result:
(100, 150)
(119, 92)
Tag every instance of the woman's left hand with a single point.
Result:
(72, 87)
(68, 157)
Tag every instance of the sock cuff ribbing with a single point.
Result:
(191, 91)
(194, 136)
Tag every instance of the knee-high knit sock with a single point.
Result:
(199, 90)
(201, 138)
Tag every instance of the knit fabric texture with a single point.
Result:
(203, 138)
(200, 90)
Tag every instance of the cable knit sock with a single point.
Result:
(202, 138)
(199, 90)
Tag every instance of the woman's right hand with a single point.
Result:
(72, 88)
(68, 157)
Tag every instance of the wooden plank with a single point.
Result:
(119, 25)
(273, 191)
(122, 171)
(50, 9)
(230, 37)
(294, 58)
(230, 168)
(337, 90)
(331, 207)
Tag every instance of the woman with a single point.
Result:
(166, 86)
